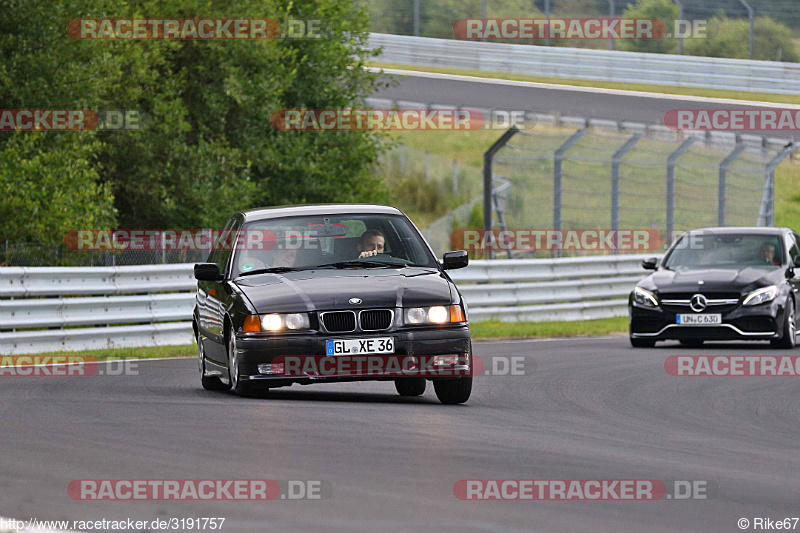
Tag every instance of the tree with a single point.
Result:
(728, 37)
(665, 10)
(208, 147)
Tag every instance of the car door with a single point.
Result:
(211, 294)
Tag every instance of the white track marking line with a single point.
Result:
(574, 88)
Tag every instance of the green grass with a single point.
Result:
(583, 328)
(148, 352)
(643, 87)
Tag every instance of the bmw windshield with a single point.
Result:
(336, 241)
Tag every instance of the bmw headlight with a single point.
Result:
(762, 295)
(437, 314)
(276, 322)
(644, 297)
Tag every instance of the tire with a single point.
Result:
(692, 343)
(410, 386)
(642, 343)
(239, 387)
(453, 391)
(789, 338)
(208, 382)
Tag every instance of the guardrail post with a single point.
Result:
(723, 180)
(766, 215)
(558, 159)
(616, 162)
(671, 161)
(487, 175)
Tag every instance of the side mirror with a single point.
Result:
(651, 263)
(796, 261)
(452, 260)
(207, 272)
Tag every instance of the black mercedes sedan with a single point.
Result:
(720, 284)
(330, 293)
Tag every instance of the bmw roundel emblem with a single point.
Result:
(355, 301)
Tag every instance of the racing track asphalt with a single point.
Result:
(465, 91)
(585, 409)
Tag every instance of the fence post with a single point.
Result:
(558, 158)
(750, 33)
(766, 215)
(487, 175)
(671, 161)
(455, 176)
(611, 12)
(616, 162)
(723, 182)
(427, 167)
(416, 18)
(680, 17)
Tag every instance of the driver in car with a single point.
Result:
(767, 252)
(372, 242)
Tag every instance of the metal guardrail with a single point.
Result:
(603, 65)
(45, 309)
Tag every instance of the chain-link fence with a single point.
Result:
(33, 254)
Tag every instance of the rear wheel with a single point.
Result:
(410, 386)
(642, 343)
(452, 391)
(789, 339)
(208, 382)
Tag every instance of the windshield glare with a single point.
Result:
(308, 242)
(734, 251)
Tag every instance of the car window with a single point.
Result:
(726, 250)
(310, 241)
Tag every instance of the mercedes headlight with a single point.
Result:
(762, 295)
(644, 297)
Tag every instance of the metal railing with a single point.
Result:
(62, 309)
(586, 64)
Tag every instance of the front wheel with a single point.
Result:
(237, 385)
(789, 338)
(453, 391)
(208, 382)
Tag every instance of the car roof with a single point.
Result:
(318, 209)
(757, 230)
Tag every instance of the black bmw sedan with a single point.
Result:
(720, 284)
(329, 293)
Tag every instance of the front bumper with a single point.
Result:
(758, 322)
(255, 349)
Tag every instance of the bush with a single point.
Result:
(728, 37)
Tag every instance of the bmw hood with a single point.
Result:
(322, 290)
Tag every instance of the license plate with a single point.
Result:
(360, 346)
(699, 320)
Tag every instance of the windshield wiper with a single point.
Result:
(355, 263)
(273, 270)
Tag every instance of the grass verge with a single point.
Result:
(480, 330)
(146, 352)
(490, 329)
(641, 87)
